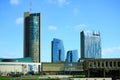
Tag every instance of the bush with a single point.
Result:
(17, 74)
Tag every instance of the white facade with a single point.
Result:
(19, 67)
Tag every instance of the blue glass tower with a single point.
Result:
(72, 56)
(32, 36)
(90, 44)
(57, 50)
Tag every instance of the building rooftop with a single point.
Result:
(27, 59)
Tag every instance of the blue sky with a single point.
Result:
(62, 19)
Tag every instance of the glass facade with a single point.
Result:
(32, 36)
(57, 50)
(72, 56)
(90, 44)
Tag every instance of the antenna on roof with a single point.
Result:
(30, 6)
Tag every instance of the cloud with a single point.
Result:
(14, 2)
(75, 11)
(19, 20)
(52, 27)
(59, 2)
(106, 51)
(9, 55)
(63, 2)
(80, 27)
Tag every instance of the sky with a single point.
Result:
(62, 19)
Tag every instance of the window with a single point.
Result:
(90, 64)
(102, 64)
(114, 64)
(95, 65)
(118, 64)
(111, 64)
(98, 64)
(106, 64)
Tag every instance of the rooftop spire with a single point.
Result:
(30, 6)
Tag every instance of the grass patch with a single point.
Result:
(79, 76)
(4, 77)
(23, 78)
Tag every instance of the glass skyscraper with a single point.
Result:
(72, 56)
(90, 44)
(32, 36)
(57, 50)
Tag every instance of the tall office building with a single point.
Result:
(72, 56)
(57, 51)
(32, 36)
(90, 44)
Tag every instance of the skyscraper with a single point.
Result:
(90, 44)
(57, 50)
(72, 56)
(32, 36)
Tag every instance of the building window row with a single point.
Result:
(102, 64)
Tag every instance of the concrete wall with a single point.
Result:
(62, 66)
(52, 66)
(11, 68)
(74, 66)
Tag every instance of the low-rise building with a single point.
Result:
(7, 67)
